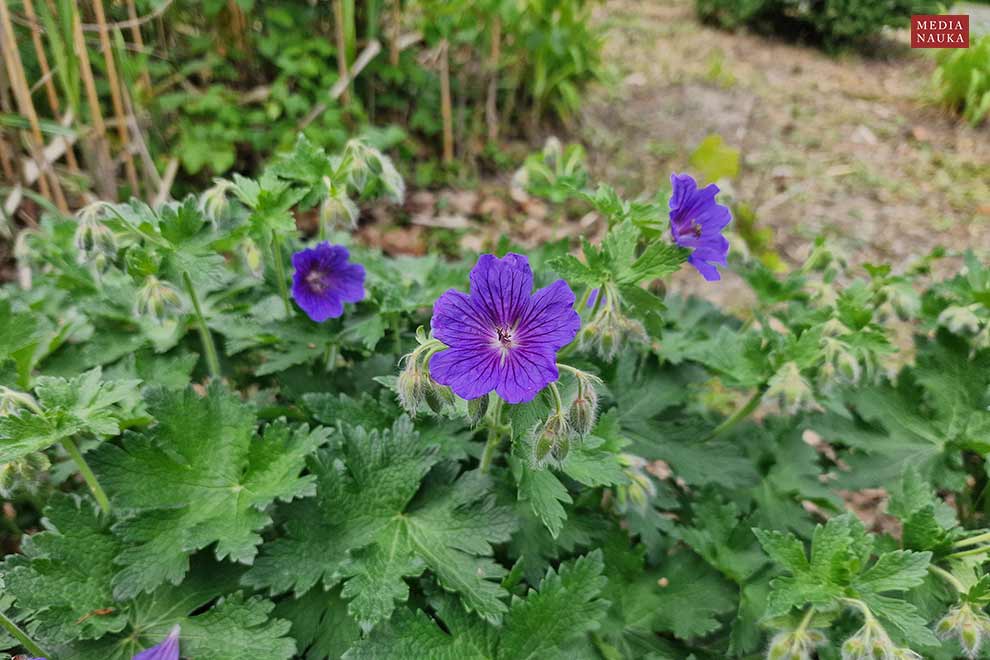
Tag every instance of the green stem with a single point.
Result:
(283, 287)
(982, 550)
(87, 474)
(745, 411)
(212, 361)
(18, 634)
(397, 335)
(805, 621)
(972, 540)
(948, 577)
(556, 398)
(579, 307)
(494, 436)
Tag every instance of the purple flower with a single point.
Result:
(696, 222)
(502, 337)
(324, 280)
(167, 650)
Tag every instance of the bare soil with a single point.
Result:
(849, 145)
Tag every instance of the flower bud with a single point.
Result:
(791, 387)
(437, 396)
(253, 258)
(93, 239)
(157, 300)
(24, 471)
(959, 319)
(477, 409)
(795, 645)
(581, 415)
(411, 386)
(11, 401)
(337, 209)
(214, 201)
(551, 440)
(640, 489)
(967, 624)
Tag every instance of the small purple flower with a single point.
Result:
(324, 280)
(696, 222)
(167, 650)
(502, 337)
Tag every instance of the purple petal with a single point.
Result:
(526, 371)
(501, 287)
(324, 280)
(697, 221)
(470, 372)
(167, 650)
(457, 319)
(707, 271)
(549, 319)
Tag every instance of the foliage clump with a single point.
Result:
(221, 475)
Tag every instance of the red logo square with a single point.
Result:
(940, 31)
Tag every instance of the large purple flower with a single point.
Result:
(324, 280)
(696, 222)
(502, 337)
(167, 650)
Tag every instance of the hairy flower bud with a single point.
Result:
(872, 642)
(477, 408)
(253, 258)
(437, 396)
(157, 300)
(214, 201)
(791, 388)
(411, 386)
(337, 209)
(959, 319)
(795, 645)
(23, 472)
(966, 624)
(640, 489)
(551, 440)
(12, 401)
(93, 239)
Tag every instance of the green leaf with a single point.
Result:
(544, 492)
(566, 606)
(64, 574)
(17, 330)
(85, 404)
(575, 272)
(894, 571)
(365, 525)
(200, 476)
(658, 260)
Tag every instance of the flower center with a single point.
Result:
(504, 337)
(693, 229)
(317, 281)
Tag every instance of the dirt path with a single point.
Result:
(847, 145)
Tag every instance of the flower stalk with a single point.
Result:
(22, 637)
(494, 436)
(280, 275)
(87, 474)
(740, 415)
(209, 349)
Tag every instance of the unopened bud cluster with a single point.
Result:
(553, 437)
(213, 202)
(94, 241)
(640, 489)
(157, 301)
(791, 389)
(795, 645)
(415, 386)
(871, 642)
(609, 328)
(968, 625)
(23, 473)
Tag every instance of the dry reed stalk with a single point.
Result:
(138, 40)
(445, 107)
(393, 40)
(338, 20)
(491, 103)
(49, 185)
(102, 171)
(116, 97)
(46, 74)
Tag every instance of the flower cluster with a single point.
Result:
(966, 624)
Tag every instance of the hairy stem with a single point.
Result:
(283, 287)
(87, 474)
(18, 634)
(558, 402)
(972, 540)
(210, 351)
(581, 304)
(745, 411)
(494, 436)
(806, 620)
(982, 550)
(948, 577)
